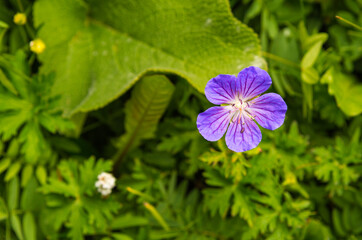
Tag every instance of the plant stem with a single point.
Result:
(156, 215)
(349, 23)
(280, 59)
(21, 8)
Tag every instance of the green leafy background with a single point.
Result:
(118, 89)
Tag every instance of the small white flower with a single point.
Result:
(105, 183)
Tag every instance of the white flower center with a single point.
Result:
(239, 110)
(239, 104)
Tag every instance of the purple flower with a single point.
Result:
(241, 106)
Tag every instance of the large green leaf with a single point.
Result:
(100, 48)
(149, 100)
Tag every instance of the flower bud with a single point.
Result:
(37, 46)
(19, 18)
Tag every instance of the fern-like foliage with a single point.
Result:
(338, 166)
(72, 201)
(254, 187)
(181, 211)
(28, 114)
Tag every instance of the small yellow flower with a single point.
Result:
(20, 18)
(37, 46)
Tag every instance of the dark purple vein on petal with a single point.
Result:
(226, 91)
(246, 80)
(222, 122)
(246, 93)
(231, 89)
(255, 88)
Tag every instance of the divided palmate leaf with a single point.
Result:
(100, 48)
(149, 100)
(71, 198)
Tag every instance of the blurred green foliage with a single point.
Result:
(124, 80)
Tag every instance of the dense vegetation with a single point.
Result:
(89, 86)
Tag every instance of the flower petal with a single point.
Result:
(268, 110)
(243, 137)
(221, 89)
(212, 123)
(251, 82)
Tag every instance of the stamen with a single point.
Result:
(235, 116)
(249, 114)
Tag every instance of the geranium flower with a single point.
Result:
(241, 107)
